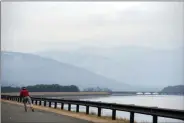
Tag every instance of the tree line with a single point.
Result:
(174, 89)
(42, 88)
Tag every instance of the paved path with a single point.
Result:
(11, 113)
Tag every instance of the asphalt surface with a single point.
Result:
(11, 113)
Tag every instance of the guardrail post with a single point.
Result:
(36, 102)
(113, 114)
(49, 104)
(87, 109)
(69, 107)
(55, 104)
(17, 99)
(131, 117)
(99, 111)
(45, 103)
(40, 103)
(77, 108)
(62, 105)
(155, 119)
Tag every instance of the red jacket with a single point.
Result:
(24, 93)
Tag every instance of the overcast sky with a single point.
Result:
(35, 26)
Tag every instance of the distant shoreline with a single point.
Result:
(79, 97)
(65, 95)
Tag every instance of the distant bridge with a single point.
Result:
(128, 93)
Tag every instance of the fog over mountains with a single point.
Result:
(121, 68)
(26, 69)
(137, 66)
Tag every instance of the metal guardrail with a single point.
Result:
(154, 111)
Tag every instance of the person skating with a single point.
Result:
(24, 94)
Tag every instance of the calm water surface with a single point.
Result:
(161, 101)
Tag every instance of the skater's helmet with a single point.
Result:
(23, 88)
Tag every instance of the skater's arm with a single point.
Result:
(29, 94)
(21, 94)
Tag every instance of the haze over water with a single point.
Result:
(160, 101)
(171, 102)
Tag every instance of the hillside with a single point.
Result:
(29, 69)
(138, 66)
(174, 89)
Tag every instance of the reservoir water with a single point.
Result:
(160, 101)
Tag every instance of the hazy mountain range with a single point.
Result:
(136, 66)
(120, 68)
(27, 69)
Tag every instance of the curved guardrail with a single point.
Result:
(154, 111)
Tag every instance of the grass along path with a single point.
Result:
(81, 115)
